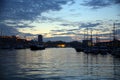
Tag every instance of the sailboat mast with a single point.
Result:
(114, 32)
(84, 34)
(87, 33)
(96, 37)
(1, 32)
(91, 37)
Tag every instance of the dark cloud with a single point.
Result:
(24, 26)
(62, 30)
(81, 24)
(11, 30)
(17, 24)
(2, 3)
(96, 4)
(73, 24)
(29, 34)
(72, 30)
(85, 25)
(118, 15)
(65, 33)
(7, 30)
(28, 9)
(65, 24)
(117, 1)
(44, 19)
(62, 38)
(118, 24)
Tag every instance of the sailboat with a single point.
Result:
(115, 43)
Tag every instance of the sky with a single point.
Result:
(66, 20)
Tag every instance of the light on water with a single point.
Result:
(57, 64)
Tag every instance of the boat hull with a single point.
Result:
(37, 48)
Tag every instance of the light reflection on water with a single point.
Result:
(57, 64)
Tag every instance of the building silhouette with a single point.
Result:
(40, 38)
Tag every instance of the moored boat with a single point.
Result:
(78, 49)
(116, 52)
(37, 47)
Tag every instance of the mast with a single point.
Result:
(91, 38)
(96, 38)
(1, 32)
(87, 33)
(84, 35)
(114, 32)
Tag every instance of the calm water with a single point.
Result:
(57, 64)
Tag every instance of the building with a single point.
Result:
(7, 42)
(40, 38)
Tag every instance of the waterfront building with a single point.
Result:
(7, 42)
(40, 38)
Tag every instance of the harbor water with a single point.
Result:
(57, 64)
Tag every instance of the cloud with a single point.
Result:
(7, 30)
(96, 4)
(118, 15)
(85, 25)
(99, 28)
(65, 24)
(65, 38)
(70, 24)
(2, 3)
(62, 30)
(17, 24)
(11, 30)
(81, 24)
(116, 1)
(118, 24)
(72, 29)
(75, 28)
(28, 9)
(65, 31)
(46, 19)
(63, 34)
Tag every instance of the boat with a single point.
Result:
(96, 50)
(116, 52)
(79, 49)
(92, 50)
(37, 47)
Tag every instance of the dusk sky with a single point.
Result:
(65, 20)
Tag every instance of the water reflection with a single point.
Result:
(57, 64)
(98, 66)
(116, 62)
